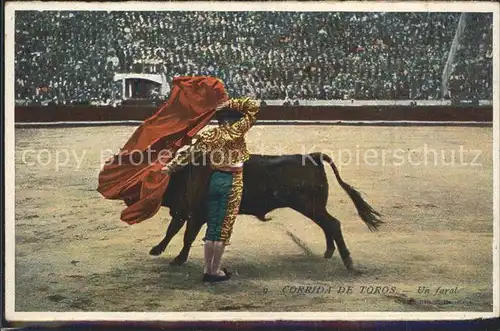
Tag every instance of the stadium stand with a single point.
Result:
(472, 76)
(71, 57)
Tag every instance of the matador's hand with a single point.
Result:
(223, 105)
(166, 170)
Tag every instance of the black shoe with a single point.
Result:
(206, 278)
(216, 278)
(226, 272)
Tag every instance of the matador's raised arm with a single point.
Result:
(216, 137)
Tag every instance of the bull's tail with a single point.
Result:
(369, 215)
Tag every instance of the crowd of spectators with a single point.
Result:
(472, 74)
(71, 57)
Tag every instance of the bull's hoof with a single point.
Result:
(348, 262)
(157, 250)
(329, 253)
(177, 261)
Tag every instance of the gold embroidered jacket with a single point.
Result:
(225, 144)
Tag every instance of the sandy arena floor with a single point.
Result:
(74, 254)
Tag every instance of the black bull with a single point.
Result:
(270, 182)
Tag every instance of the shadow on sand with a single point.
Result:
(296, 268)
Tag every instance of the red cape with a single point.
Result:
(133, 175)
